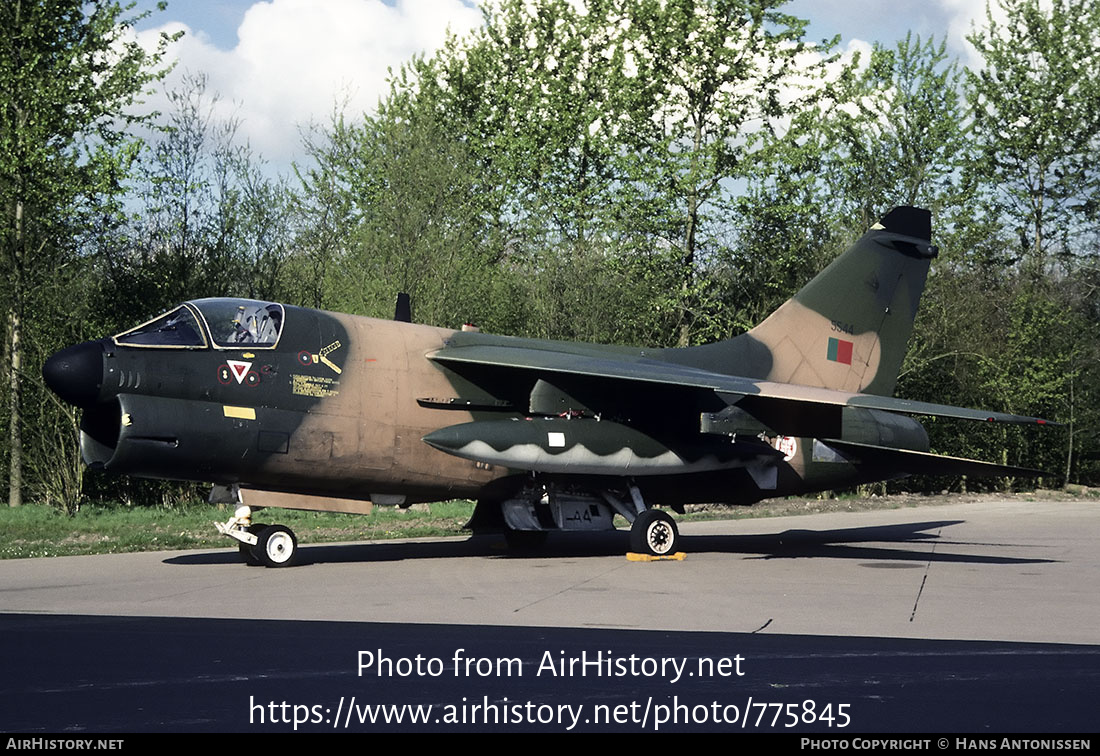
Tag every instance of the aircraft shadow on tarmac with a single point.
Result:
(872, 544)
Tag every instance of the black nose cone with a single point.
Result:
(76, 373)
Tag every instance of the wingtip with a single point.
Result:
(1023, 420)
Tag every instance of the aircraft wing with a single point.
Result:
(636, 367)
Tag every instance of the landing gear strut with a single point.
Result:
(269, 545)
(529, 513)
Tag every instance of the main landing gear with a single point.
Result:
(269, 545)
(532, 512)
(654, 532)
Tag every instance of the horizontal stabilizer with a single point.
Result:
(794, 392)
(926, 463)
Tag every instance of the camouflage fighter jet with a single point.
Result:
(288, 407)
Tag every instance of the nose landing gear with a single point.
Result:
(267, 545)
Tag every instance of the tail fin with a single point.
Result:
(848, 328)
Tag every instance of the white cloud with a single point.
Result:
(964, 16)
(297, 59)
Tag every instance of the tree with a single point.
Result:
(883, 130)
(615, 128)
(389, 203)
(727, 70)
(1036, 110)
(898, 135)
(70, 76)
(538, 94)
(1035, 105)
(210, 222)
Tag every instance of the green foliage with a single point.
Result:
(539, 95)
(211, 222)
(647, 172)
(403, 194)
(614, 128)
(1036, 109)
(897, 135)
(113, 528)
(879, 133)
(69, 80)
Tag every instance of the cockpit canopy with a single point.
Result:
(225, 323)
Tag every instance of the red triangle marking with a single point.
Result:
(240, 369)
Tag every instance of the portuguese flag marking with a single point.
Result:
(840, 351)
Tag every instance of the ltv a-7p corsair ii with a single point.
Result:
(278, 405)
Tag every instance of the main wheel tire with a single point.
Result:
(654, 532)
(276, 546)
(524, 540)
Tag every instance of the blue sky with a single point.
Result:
(279, 65)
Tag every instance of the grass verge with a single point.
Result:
(40, 531)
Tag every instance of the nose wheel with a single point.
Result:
(276, 546)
